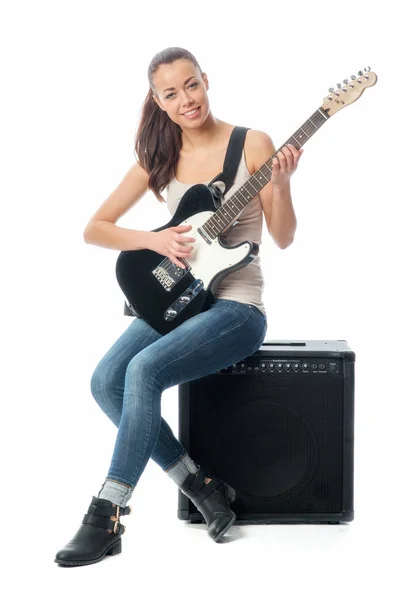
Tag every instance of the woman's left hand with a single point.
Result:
(284, 165)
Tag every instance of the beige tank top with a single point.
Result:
(247, 284)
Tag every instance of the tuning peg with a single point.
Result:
(346, 81)
(339, 85)
(366, 69)
(331, 90)
(360, 73)
(353, 77)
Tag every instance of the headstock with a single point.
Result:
(349, 92)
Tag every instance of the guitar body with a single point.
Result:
(165, 295)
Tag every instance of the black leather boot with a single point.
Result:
(212, 499)
(92, 542)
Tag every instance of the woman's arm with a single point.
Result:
(101, 229)
(276, 200)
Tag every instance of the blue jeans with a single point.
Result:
(128, 381)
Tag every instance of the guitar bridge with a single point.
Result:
(169, 274)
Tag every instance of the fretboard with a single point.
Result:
(236, 203)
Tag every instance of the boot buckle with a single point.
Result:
(116, 523)
(118, 527)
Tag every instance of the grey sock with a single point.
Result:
(115, 492)
(181, 470)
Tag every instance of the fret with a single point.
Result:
(261, 171)
(230, 208)
(294, 139)
(236, 206)
(243, 196)
(305, 133)
(249, 182)
(241, 205)
(266, 176)
(206, 228)
(219, 217)
(224, 218)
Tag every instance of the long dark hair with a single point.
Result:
(158, 138)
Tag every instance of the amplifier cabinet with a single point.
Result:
(279, 428)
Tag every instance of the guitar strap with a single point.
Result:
(228, 174)
(232, 158)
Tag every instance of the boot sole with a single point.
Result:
(116, 548)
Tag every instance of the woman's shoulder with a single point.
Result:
(258, 145)
(257, 138)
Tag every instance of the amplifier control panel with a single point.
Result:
(258, 364)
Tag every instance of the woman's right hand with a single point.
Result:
(171, 243)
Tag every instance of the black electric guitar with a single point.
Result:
(165, 295)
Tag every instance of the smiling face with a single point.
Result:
(180, 88)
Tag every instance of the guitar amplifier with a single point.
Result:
(279, 428)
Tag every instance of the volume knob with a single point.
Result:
(170, 314)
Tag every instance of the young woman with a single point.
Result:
(179, 143)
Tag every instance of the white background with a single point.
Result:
(74, 77)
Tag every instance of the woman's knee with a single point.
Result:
(106, 394)
(101, 382)
(141, 369)
(137, 367)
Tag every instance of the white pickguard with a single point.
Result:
(208, 259)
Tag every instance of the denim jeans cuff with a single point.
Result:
(115, 492)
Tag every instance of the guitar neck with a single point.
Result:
(237, 202)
